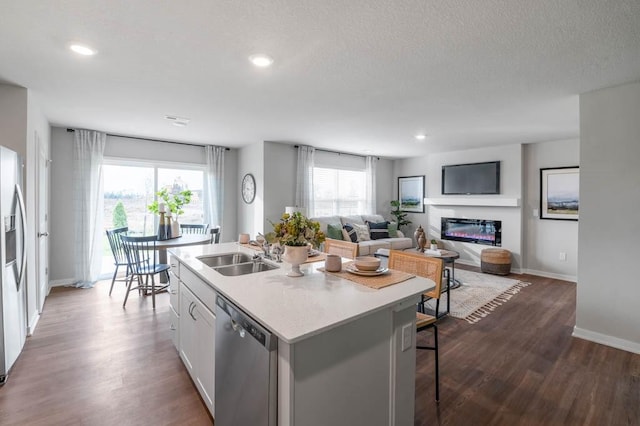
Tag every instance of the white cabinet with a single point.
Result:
(197, 336)
(174, 302)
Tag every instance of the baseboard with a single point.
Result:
(604, 339)
(562, 277)
(62, 283)
(526, 271)
(32, 324)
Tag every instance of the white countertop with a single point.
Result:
(297, 308)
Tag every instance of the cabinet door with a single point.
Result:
(206, 330)
(174, 295)
(188, 331)
(174, 328)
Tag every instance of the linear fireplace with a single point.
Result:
(479, 231)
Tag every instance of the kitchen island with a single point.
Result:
(342, 356)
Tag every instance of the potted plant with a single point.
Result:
(295, 232)
(173, 204)
(399, 214)
(434, 245)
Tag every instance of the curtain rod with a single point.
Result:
(153, 140)
(339, 153)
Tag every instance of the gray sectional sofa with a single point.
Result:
(330, 225)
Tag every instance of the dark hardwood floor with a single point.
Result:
(520, 366)
(92, 363)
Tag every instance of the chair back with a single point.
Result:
(141, 253)
(115, 241)
(341, 248)
(420, 265)
(194, 228)
(215, 235)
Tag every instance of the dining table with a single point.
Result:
(182, 241)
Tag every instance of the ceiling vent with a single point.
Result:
(177, 121)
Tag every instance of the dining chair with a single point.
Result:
(194, 228)
(341, 248)
(428, 267)
(142, 256)
(119, 256)
(215, 235)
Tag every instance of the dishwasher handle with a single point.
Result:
(237, 327)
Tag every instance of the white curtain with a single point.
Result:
(304, 179)
(370, 176)
(214, 186)
(88, 150)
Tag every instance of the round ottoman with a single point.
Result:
(495, 261)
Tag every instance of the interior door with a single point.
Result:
(42, 255)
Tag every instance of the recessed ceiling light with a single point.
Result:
(177, 121)
(421, 136)
(261, 60)
(82, 50)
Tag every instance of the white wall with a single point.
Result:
(62, 211)
(608, 292)
(251, 216)
(510, 157)
(544, 240)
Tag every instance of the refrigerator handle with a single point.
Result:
(23, 227)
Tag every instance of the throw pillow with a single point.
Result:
(362, 231)
(334, 231)
(349, 233)
(393, 229)
(378, 230)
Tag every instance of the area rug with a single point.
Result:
(479, 295)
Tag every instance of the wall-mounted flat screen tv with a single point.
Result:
(476, 178)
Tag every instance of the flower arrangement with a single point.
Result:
(296, 230)
(174, 202)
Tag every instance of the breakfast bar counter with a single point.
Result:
(345, 352)
(296, 308)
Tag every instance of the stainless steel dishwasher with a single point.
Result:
(245, 369)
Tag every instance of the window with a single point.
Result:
(129, 187)
(338, 192)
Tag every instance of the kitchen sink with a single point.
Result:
(245, 268)
(216, 260)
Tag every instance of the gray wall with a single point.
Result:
(62, 211)
(608, 290)
(544, 240)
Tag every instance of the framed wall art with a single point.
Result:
(560, 193)
(411, 193)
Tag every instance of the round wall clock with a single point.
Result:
(248, 188)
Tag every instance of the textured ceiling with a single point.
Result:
(351, 75)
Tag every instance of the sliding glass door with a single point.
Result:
(129, 187)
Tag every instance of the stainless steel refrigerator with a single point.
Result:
(13, 305)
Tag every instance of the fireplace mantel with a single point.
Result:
(473, 201)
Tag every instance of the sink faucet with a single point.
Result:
(264, 245)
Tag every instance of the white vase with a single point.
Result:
(295, 255)
(175, 229)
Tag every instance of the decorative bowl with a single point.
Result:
(367, 263)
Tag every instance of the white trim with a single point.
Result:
(473, 201)
(62, 283)
(33, 322)
(604, 339)
(571, 278)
